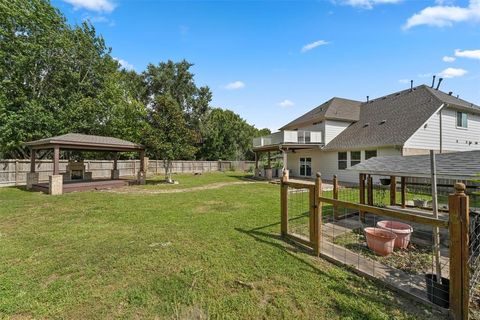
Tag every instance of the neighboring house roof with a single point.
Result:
(456, 166)
(81, 141)
(391, 120)
(333, 109)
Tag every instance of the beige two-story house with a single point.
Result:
(341, 133)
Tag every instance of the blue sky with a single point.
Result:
(271, 61)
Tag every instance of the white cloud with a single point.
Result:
(445, 15)
(124, 64)
(453, 72)
(448, 59)
(472, 54)
(235, 85)
(313, 45)
(404, 81)
(93, 5)
(367, 4)
(286, 103)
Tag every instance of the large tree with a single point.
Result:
(168, 135)
(56, 78)
(227, 136)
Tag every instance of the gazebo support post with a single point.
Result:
(141, 178)
(268, 170)
(32, 176)
(115, 172)
(55, 186)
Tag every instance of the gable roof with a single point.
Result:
(84, 141)
(458, 165)
(391, 120)
(333, 109)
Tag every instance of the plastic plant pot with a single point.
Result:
(379, 240)
(402, 230)
(438, 293)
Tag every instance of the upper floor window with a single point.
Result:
(462, 120)
(370, 154)
(355, 157)
(342, 160)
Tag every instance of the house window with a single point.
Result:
(342, 160)
(370, 154)
(462, 120)
(355, 157)
(305, 167)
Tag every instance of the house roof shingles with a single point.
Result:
(333, 109)
(391, 120)
(458, 165)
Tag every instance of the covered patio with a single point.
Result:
(76, 177)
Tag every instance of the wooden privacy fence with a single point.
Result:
(332, 224)
(14, 172)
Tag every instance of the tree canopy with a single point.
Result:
(57, 78)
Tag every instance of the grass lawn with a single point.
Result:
(212, 253)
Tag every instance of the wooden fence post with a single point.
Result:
(362, 194)
(17, 178)
(459, 253)
(318, 215)
(393, 190)
(284, 204)
(336, 214)
(403, 182)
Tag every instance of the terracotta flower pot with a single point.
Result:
(402, 230)
(380, 241)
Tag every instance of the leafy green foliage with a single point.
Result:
(56, 78)
(228, 136)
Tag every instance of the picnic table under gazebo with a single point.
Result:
(76, 177)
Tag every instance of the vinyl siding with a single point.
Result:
(327, 163)
(333, 128)
(454, 139)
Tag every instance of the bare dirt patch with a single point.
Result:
(218, 185)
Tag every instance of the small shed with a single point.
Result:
(77, 178)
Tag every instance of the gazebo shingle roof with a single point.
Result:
(80, 141)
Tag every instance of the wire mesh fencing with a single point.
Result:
(396, 251)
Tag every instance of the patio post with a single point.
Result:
(257, 171)
(268, 170)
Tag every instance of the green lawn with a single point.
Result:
(211, 253)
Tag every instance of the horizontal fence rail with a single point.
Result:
(14, 172)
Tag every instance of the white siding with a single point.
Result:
(454, 139)
(333, 128)
(327, 163)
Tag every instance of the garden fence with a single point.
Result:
(14, 172)
(337, 223)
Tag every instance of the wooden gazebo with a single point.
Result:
(60, 183)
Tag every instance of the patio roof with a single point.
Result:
(454, 166)
(85, 142)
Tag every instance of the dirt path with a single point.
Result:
(210, 186)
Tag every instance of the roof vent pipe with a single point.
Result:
(411, 85)
(439, 82)
(368, 98)
(450, 93)
(433, 81)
